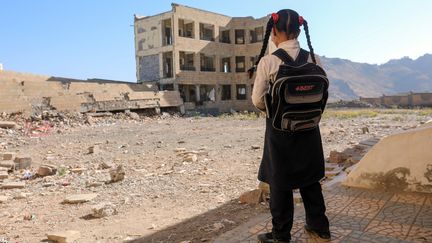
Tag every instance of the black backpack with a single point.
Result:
(297, 96)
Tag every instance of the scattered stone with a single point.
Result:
(94, 184)
(22, 162)
(333, 173)
(46, 170)
(95, 149)
(48, 184)
(337, 157)
(255, 147)
(134, 116)
(8, 124)
(64, 236)
(79, 198)
(107, 165)
(21, 195)
(4, 199)
(191, 158)
(13, 185)
(78, 170)
(252, 197)
(179, 150)
(8, 164)
(3, 175)
(8, 156)
(103, 210)
(365, 130)
(265, 187)
(117, 174)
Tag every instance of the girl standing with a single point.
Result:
(290, 160)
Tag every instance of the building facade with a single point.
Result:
(203, 55)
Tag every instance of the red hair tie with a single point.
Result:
(301, 20)
(275, 18)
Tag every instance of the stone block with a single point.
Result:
(22, 162)
(64, 236)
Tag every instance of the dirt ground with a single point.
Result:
(163, 198)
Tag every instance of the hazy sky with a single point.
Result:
(94, 38)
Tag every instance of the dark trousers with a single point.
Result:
(282, 210)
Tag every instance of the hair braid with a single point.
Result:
(306, 28)
(269, 28)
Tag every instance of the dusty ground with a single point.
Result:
(163, 197)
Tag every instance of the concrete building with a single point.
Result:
(203, 55)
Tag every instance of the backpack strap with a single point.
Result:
(284, 56)
(302, 57)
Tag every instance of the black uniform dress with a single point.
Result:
(291, 161)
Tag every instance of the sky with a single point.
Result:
(95, 39)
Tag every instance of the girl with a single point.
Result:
(290, 161)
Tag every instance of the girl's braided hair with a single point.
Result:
(287, 21)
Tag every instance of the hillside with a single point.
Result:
(349, 80)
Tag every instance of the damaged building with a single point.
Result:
(203, 55)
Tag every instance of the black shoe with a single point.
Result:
(268, 238)
(321, 234)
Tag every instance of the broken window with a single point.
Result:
(187, 61)
(187, 92)
(208, 93)
(226, 92)
(252, 60)
(186, 28)
(224, 36)
(241, 91)
(257, 35)
(166, 32)
(239, 36)
(141, 44)
(240, 64)
(226, 65)
(207, 63)
(207, 32)
(167, 65)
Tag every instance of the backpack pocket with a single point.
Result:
(294, 121)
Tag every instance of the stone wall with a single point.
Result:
(410, 100)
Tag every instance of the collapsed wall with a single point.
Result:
(400, 162)
(28, 93)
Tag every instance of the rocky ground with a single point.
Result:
(179, 178)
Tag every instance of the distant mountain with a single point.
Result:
(349, 80)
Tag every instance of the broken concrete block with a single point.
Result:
(22, 162)
(337, 157)
(8, 124)
(103, 210)
(191, 158)
(95, 149)
(64, 236)
(117, 174)
(13, 185)
(4, 199)
(107, 165)
(8, 164)
(3, 175)
(47, 170)
(7, 156)
(79, 198)
(252, 197)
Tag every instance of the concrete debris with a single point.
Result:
(8, 164)
(95, 149)
(133, 115)
(13, 185)
(190, 158)
(77, 170)
(365, 130)
(22, 162)
(64, 236)
(3, 175)
(46, 170)
(252, 197)
(103, 210)
(7, 156)
(79, 198)
(4, 199)
(107, 165)
(255, 147)
(337, 157)
(117, 174)
(8, 124)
